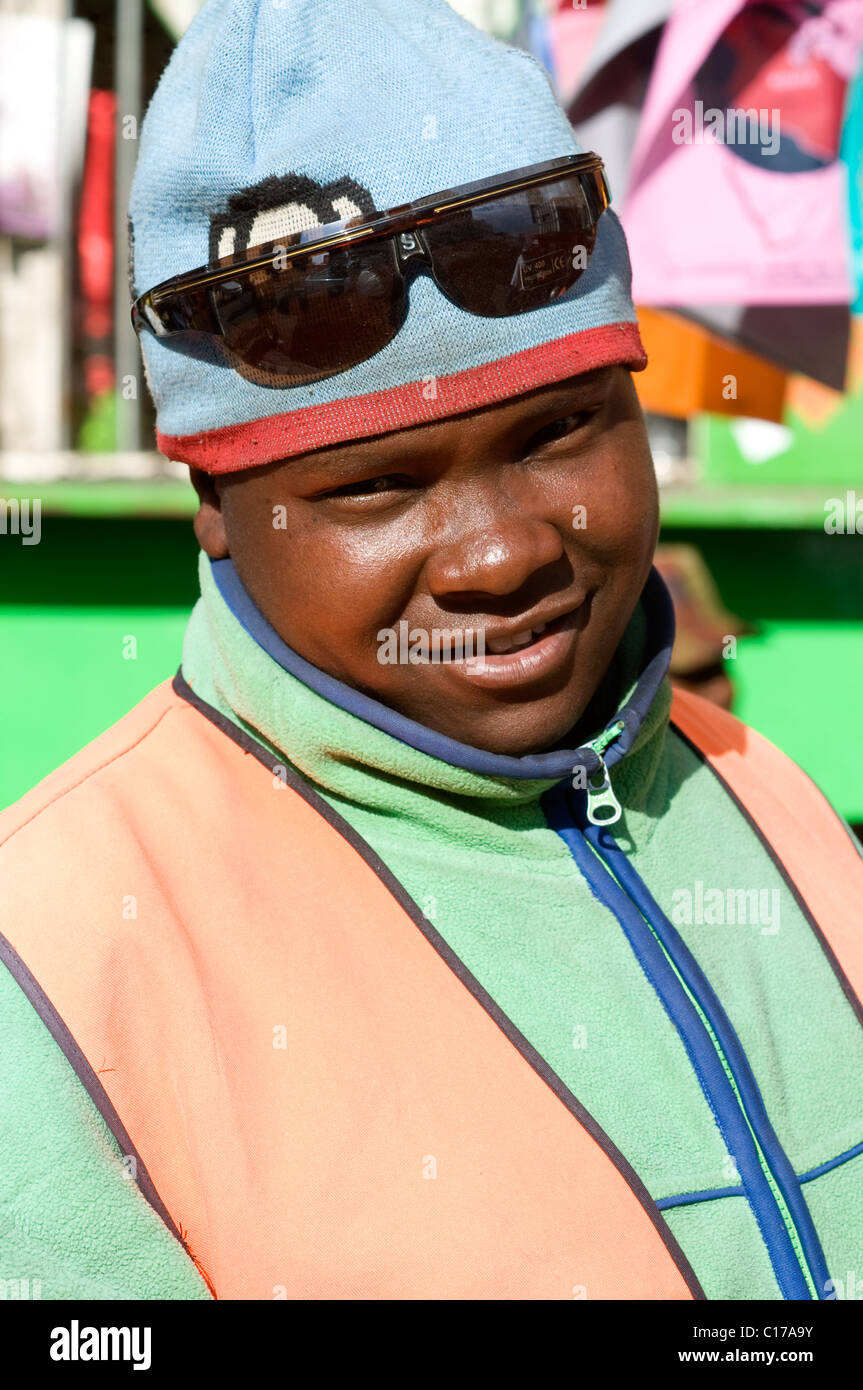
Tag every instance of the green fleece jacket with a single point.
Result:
(662, 967)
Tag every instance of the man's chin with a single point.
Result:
(515, 733)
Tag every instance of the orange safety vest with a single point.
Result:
(321, 1097)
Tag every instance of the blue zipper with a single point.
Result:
(717, 1056)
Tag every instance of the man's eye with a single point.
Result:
(370, 487)
(559, 429)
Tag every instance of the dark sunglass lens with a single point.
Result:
(181, 311)
(517, 253)
(285, 325)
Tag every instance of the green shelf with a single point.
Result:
(743, 506)
(747, 506)
(72, 497)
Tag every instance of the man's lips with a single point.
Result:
(507, 643)
(503, 649)
(545, 653)
(500, 656)
(500, 640)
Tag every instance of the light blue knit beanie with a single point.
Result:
(381, 102)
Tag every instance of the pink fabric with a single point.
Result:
(706, 226)
(572, 34)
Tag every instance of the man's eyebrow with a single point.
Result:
(582, 385)
(349, 463)
(566, 395)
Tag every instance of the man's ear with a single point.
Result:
(209, 524)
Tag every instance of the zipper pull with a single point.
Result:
(603, 807)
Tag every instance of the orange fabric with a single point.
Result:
(184, 912)
(794, 816)
(688, 368)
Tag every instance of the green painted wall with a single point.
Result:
(799, 679)
(67, 607)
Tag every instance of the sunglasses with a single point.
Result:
(324, 299)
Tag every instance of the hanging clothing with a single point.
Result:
(740, 137)
(852, 155)
(606, 112)
(606, 107)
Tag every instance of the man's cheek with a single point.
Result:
(611, 532)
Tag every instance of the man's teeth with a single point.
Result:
(502, 645)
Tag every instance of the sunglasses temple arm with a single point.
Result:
(140, 322)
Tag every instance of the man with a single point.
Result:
(366, 959)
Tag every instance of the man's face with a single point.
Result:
(539, 511)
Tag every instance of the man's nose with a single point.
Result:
(497, 558)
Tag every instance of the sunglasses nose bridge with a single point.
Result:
(410, 246)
